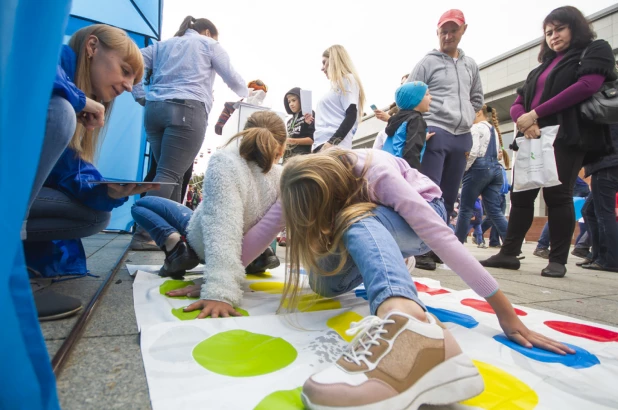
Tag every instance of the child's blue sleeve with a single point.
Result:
(397, 142)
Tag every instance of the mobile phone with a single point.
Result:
(373, 107)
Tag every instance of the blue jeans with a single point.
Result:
(59, 129)
(377, 246)
(161, 217)
(600, 215)
(494, 237)
(483, 178)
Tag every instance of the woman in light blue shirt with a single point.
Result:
(181, 74)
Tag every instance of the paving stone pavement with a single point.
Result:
(105, 369)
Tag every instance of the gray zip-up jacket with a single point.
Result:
(455, 87)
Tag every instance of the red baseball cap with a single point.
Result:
(454, 15)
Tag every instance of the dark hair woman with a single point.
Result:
(178, 100)
(573, 67)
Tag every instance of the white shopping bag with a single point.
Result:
(535, 163)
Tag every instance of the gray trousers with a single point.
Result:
(54, 216)
(175, 131)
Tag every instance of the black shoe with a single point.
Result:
(435, 257)
(425, 262)
(595, 266)
(267, 260)
(583, 262)
(53, 306)
(502, 261)
(554, 270)
(177, 261)
(581, 252)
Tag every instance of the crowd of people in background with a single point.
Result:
(348, 216)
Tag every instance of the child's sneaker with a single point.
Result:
(395, 363)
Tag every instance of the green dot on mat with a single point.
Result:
(182, 315)
(282, 400)
(239, 353)
(174, 284)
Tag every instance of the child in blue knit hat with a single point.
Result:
(407, 131)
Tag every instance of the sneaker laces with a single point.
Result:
(367, 332)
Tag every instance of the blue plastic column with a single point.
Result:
(31, 33)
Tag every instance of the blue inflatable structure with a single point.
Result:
(32, 32)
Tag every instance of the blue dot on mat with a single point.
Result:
(461, 319)
(582, 358)
(361, 293)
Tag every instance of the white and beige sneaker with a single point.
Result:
(395, 363)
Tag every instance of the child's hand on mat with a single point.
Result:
(192, 291)
(117, 191)
(515, 330)
(212, 308)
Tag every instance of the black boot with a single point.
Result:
(177, 261)
(425, 262)
(554, 270)
(267, 260)
(501, 261)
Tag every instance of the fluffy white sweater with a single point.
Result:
(236, 195)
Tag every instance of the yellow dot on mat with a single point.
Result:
(502, 391)
(282, 400)
(268, 287)
(259, 276)
(313, 303)
(342, 322)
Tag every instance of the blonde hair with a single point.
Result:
(321, 197)
(491, 115)
(339, 66)
(262, 139)
(85, 142)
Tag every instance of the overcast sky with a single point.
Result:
(281, 42)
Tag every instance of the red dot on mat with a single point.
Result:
(432, 291)
(586, 331)
(485, 307)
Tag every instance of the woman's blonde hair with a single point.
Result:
(339, 67)
(492, 116)
(321, 197)
(262, 139)
(85, 142)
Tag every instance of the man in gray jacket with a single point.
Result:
(457, 94)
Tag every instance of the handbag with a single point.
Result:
(602, 107)
(535, 162)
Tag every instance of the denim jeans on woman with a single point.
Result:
(377, 246)
(483, 178)
(175, 130)
(161, 217)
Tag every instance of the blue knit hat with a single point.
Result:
(409, 95)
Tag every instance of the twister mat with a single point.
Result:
(260, 360)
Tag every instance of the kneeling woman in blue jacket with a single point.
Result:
(99, 63)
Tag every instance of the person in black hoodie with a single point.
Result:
(300, 128)
(599, 211)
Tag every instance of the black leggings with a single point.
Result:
(561, 213)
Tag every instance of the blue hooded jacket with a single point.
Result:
(63, 83)
(71, 175)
